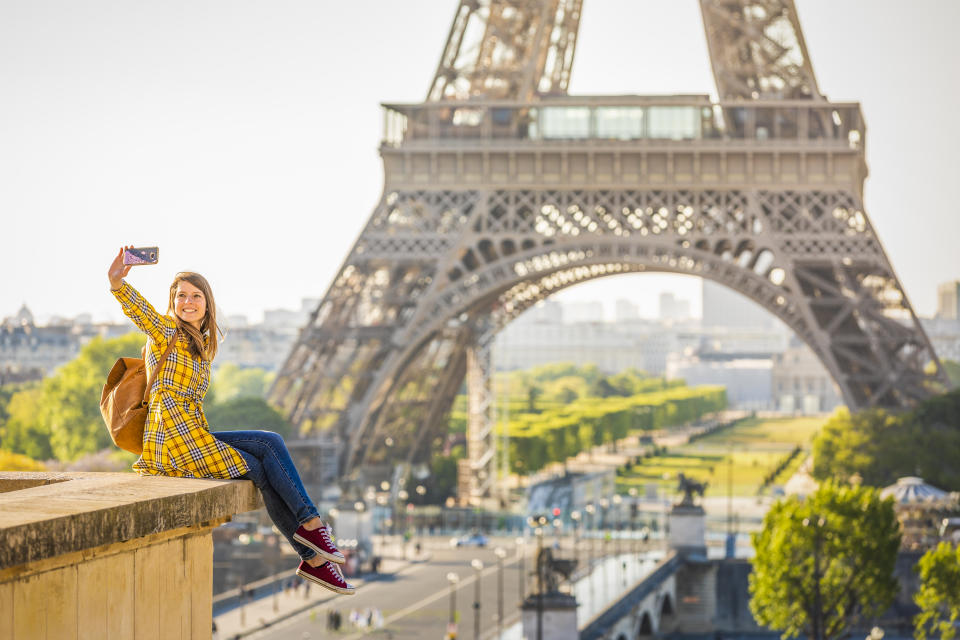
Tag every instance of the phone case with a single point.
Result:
(141, 255)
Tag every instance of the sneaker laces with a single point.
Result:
(325, 534)
(336, 575)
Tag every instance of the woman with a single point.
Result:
(177, 440)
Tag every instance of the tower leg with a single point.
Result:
(478, 472)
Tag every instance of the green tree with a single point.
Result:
(823, 560)
(70, 399)
(247, 413)
(881, 447)
(603, 388)
(23, 432)
(952, 367)
(231, 381)
(939, 594)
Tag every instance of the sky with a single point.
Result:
(241, 137)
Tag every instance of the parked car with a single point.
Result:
(472, 540)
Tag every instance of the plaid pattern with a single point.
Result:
(176, 439)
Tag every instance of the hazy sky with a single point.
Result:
(241, 137)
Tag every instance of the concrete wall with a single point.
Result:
(110, 555)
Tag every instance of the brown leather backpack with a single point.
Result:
(125, 398)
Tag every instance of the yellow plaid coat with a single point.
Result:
(176, 439)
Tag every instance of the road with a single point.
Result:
(415, 602)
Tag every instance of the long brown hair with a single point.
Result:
(208, 326)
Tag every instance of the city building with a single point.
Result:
(672, 307)
(577, 312)
(948, 300)
(29, 352)
(289, 319)
(625, 311)
(723, 307)
(258, 346)
(747, 379)
(801, 383)
(944, 334)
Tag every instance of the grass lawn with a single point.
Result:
(755, 447)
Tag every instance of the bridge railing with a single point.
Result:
(618, 119)
(111, 555)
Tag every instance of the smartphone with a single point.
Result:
(141, 255)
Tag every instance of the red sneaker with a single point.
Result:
(326, 575)
(319, 540)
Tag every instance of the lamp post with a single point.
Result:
(633, 518)
(604, 542)
(816, 523)
(453, 579)
(617, 501)
(541, 521)
(590, 511)
(575, 517)
(521, 576)
(604, 507)
(477, 565)
(501, 554)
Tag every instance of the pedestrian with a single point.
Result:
(177, 440)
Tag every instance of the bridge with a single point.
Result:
(500, 189)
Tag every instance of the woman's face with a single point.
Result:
(189, 303)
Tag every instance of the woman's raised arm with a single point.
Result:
(135, 306)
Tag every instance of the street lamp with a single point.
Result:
(477, 565)
(521, 577)
(575, 517)
(501, 554)
(633, 517)
(817, 524)
(590, 510)
(540, 567)
(604, 506)
(453, 579)
(617, 500)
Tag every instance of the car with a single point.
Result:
(472, 540)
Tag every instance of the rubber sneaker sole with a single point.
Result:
(323, 554)
(346, 591)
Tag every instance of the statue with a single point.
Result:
(552, 570)
(689, 487)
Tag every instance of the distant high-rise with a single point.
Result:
(722, 307)
(591, 311)
(948, 300)
(625, 311)
(672, 307)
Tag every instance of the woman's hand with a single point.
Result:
(118, 270)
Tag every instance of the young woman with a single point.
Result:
(177, 440)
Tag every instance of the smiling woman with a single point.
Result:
(177, 440)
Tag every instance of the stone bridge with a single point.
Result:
(647, 609)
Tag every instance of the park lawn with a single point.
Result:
(756, 447)
(762, 433)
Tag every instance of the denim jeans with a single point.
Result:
(272, 471)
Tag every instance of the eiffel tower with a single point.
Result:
(501, 189)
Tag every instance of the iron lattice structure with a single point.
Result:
(501, 190)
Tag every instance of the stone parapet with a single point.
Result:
(110, 555)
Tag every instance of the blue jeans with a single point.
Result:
(272, 471)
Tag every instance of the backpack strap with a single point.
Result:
(155, 372)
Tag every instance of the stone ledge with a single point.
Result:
(44, 515)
